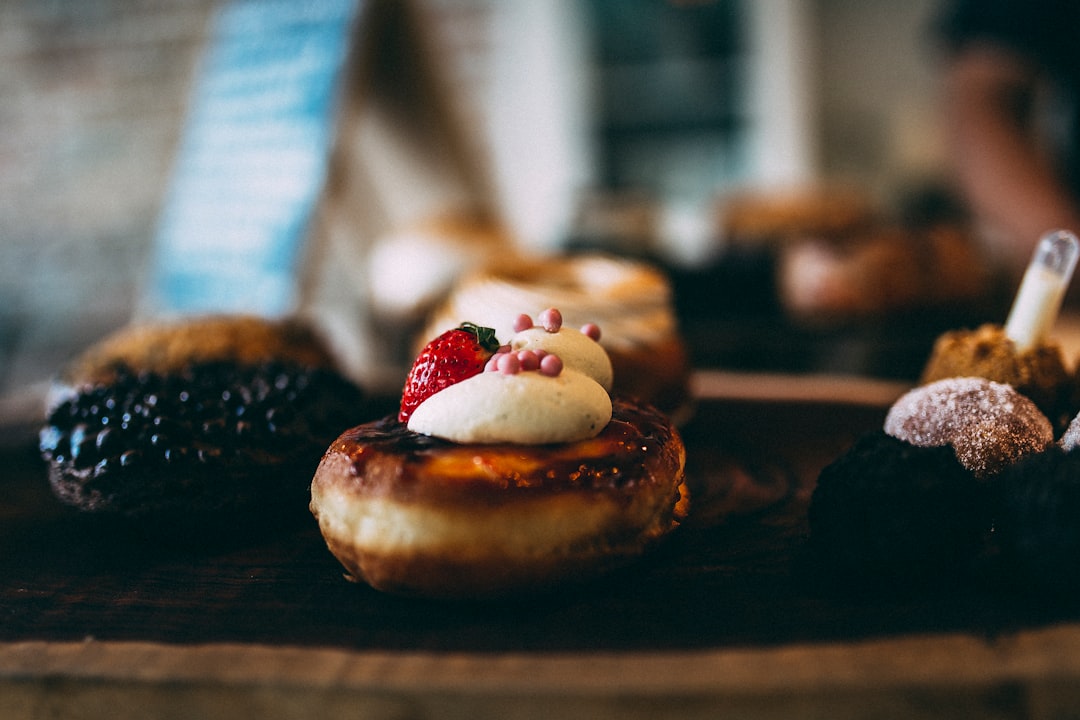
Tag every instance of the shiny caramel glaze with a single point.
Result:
(639, 446)
(418, 516)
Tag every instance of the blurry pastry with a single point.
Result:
(1038, 372)
(164, 345)
(196, 429)
(915, 501)
(877, 272)
(761, 217)
(1021, 353)
(413, 268)
(1037, 524)
(507, 469)
(890, 513)
(630, 299)
(989, 425)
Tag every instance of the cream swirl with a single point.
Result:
(577, 350)
(526, 406)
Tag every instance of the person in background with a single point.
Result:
(1012, 110)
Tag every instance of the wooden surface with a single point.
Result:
(731, 615)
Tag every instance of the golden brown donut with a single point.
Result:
(414, 515)
(630, 299)
(164, 345)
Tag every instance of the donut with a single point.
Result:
(508, 467)
(918, 499)
(164, 345)
(196, 429)
(413, 267)
(876, 271)
(632, 301)
(753, 216)
(415, 515)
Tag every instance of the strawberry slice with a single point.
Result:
(450, 358)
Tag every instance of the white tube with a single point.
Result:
(1042, 290)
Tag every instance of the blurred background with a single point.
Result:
(753, 149)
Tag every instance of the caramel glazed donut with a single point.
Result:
(416, 515)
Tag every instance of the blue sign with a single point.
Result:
(253, 158)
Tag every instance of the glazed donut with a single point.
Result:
(416, 515)
(196, 428)
(631, 300)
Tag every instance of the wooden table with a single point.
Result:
(729, 619)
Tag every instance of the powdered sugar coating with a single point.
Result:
(988, 424)
(1071, 439)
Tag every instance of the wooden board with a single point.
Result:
(731, 614)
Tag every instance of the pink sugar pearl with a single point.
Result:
(551, 365)
(551, 319)
(509, 364)
(522, 323)
(529, 360)
(591, 330)
(492, 364)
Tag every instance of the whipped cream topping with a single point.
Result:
(527, 407)
(577, 351)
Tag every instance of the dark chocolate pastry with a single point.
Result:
(888, 512)
(202, 448)
(1037, 530)
(197, 428)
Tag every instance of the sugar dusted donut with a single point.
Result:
(452, 499)
(916, 500)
